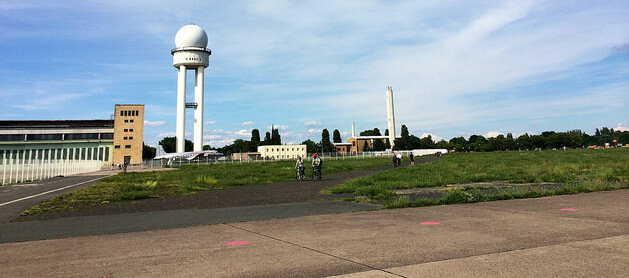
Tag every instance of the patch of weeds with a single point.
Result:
(401, 202)
(457, 196)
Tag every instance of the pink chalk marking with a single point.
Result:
(429, 223)
(236, 243)
(569, 209)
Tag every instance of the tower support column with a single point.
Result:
(181, 109)
(198, 110)
(391, 116)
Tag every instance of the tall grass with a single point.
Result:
(558, 167)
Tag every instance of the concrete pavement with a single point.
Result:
(584, 235)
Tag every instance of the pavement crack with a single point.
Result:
(315, 250)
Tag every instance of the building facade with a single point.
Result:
(282, 151)
(128, 134)
(57, 140)
(76, 139)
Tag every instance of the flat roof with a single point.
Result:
(34, 124)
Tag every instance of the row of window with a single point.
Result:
(129, 113)
(128, 138)
(287, 149)
(281, 156)
(128, 121)
(128, 130)
(93, 153)
(125, 146)
(56, 136)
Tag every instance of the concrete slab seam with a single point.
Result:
(517, 250)
(316, 251)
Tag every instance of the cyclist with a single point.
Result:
(300, 165)
(316, 162)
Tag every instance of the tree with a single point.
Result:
(311, 146)
(326, 146)
(336, 136)
(255, 136)
(378, 145)
(275, 136)
(170, 145)
(148, 152)
(374, 132)
(405, 139)
(459, 144)
(267, 139)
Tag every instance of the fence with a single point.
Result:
(25, 170)
(325, 156)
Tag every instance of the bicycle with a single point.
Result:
(316, 174)
(300, 174)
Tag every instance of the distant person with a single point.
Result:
(300, 165)
(316, 162)
(394, 160)
(399, 159)
(411, 157)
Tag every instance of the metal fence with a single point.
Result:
(25, 170)
(151, 163)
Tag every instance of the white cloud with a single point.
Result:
(312, 124)
(620, 127)
(248, 123)
(210, 122)
(156, 123)
(243, 132)
(492, 134)
(435, 138)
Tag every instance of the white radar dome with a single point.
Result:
(191, 35)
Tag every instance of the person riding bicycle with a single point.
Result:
(316, 162)
(300, 165)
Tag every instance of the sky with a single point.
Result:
(457, 68)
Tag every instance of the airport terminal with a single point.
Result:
(112, 141)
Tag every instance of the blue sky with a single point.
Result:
(457, 68)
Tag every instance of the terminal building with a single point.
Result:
(282, 151)
(112, 141)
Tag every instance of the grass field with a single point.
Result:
(190, 179)
(570, 171)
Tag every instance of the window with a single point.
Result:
(131, 130)
(130, 137)
(127, 146)
(125, 138)
(121, 113)
(126, 130)
(130, 121)
(126, 121)
(117, 147)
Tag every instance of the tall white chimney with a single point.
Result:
(353, 130)
(390, 116)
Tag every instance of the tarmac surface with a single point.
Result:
(583, 235)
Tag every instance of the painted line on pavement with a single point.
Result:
(47, 192)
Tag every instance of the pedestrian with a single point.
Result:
(411, 157)
(399, 159)
(394, 160)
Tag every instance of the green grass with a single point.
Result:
(187, 180)
(575, 170)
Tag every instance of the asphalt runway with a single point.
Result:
(583, 235)
(15, 198)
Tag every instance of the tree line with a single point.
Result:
(547, 140)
